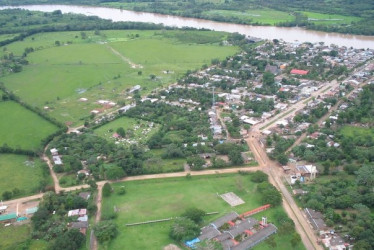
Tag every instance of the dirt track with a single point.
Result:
(274, 171)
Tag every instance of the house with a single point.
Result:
(57, 160)
(135, 88)
(85, 195)
(299, 192)
(54, 151)
(84, 171)
(250, 231)
(299, 72)
(307, 171)
(316, 219)
(272, 69)
(7, 218)
(77, 212)
(81, 225)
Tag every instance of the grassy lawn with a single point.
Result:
(262, 16)
(22, 128)
(105, 66)
(136, 129)
(165, 198)
(22, 172)
(351, 131)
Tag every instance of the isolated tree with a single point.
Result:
(194, 214)
(7, 195)
(235, 157)
(107, 190)
(105, 231)
(184, 229)
(121, 132)
(282, 159)
(259, 177)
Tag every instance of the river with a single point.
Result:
(288, 34)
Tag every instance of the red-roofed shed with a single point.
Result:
(299, 72)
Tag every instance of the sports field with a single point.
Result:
(21, 172)
(21, 128)
(165, 198)
(106, 66)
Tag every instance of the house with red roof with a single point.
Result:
(299, 72)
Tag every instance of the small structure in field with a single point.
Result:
(232, 199)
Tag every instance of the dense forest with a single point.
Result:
(197, 8)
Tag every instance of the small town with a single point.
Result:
(259, 143)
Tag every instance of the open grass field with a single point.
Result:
(327, 19)
(21, 172)
(136, 130)
(261, 16)
(105, 66)
(165, 198)
(11, 237)
(351, 131)
(21, 128)
(16, 237)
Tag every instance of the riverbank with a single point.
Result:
(288, 34)
(328, 16)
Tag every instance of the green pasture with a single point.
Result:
(105, 66)
(165, 198)
(21, 128)
(4, 37)
(262, 16)
(354, 132)
(136, 129)
(330, 19)
(21, 172)
(18, 237)
(12, 236)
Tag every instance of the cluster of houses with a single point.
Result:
(328, 237)
(80, 215)
(234, 232)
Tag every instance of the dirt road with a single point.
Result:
(276, 178)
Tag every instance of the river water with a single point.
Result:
(288, 34)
